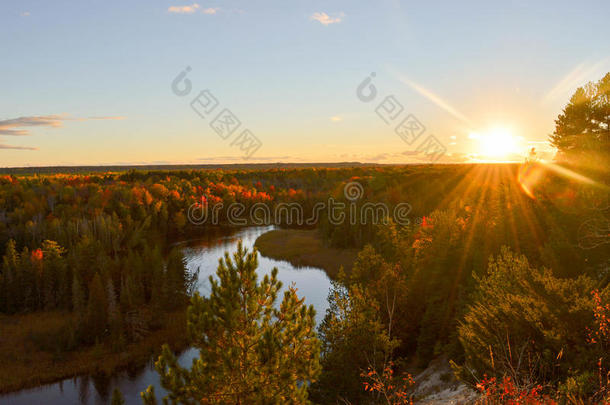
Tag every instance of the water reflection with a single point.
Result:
(204, 253)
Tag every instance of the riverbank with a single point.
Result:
(305, 248)
(24, 365)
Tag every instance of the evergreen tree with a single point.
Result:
(133, 287)
(115, 323)
(251, 352)
(97, 310)
(353, 339)
(78, 296)
(179, 283)
(154, 276)
(9, 283)
(28, 281)
(125, 300)
(55, 282)
(583, 128)
(117, 397)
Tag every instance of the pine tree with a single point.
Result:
(582, 130)
(354, 338)
(9, 291)
(78, 296)
(115, 320)
(117, 397)
(113, 310)
(134, 285)
(125, 299)
(55, 283)
(28, 281)
(251, 352)
(97, 307)
(154, 275)
(178, 282)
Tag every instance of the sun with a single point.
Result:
(497, 142)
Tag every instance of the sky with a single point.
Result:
(96, 82)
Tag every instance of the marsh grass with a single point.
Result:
(35, 349)
(302, 247)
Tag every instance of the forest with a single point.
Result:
(501, 271)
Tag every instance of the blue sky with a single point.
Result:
(289, 71)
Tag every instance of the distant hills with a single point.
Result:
(118, 168)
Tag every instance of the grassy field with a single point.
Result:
(305, 248)
(24, 365)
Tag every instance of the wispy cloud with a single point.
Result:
(336, 118)
(326, 19)
(3, 146)
(192, 9)
(109, 118)
(8, 127)
(18, 126)
(184, 9)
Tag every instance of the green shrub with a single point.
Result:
(528, 324)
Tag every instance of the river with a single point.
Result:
(312, 283)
